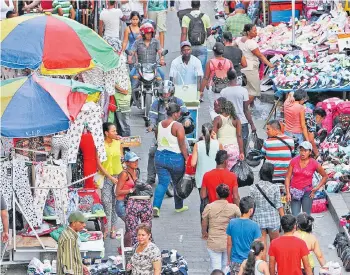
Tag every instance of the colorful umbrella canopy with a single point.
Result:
(38, 106)
(55, 44)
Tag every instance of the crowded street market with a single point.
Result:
(113, 113)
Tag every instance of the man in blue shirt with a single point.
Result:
(240, 235)
(156, 115)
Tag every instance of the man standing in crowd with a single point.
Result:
(289, 251)
(157, 11)
(236, 22)
(241, 233)
(68, 253)
(4, 223)
(156, 115)
(235, 54)
(278, 149)
(217, 176)
(186, 69)
(239, 97)
(196, 29)
(183, 7)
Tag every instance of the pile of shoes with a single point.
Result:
(311, 70)
(341, 243)
(173, 263)
(308, 37)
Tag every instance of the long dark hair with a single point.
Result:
(207, 128)
(229, 109)
(255, 250)
(135, 13)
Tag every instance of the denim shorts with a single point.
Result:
(120, 209)
(271, 229)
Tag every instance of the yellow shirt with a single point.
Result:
(113, 164)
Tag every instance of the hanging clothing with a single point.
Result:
(90, 114)
(51, 176)
(88, 149)
(19, 183)
(59, 147)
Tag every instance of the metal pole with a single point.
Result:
(293, 22)
(264, 12)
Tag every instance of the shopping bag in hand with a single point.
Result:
(244, 173)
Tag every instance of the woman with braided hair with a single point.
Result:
(228, 129)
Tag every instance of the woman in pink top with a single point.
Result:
(294, 115)
(215, 67)
(299, 179)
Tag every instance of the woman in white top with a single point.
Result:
(203, 156)
(170, 157)
(250, 49)
(254, 265)
(228, 129)
(6, 6)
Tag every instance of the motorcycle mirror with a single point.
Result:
(165, 52)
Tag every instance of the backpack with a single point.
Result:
(220, 80)
(196, 30)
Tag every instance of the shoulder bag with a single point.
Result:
(266, 198)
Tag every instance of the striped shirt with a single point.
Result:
(279, 155)
(68, 254)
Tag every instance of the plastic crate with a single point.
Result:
(283, 16)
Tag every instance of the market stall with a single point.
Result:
(41, 188)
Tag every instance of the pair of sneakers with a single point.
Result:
(156, 211)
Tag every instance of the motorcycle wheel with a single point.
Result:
(170, 191)
(148, 103)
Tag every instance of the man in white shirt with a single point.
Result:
(109, 25)
(186, 69)
(183, 7)
(239, 97)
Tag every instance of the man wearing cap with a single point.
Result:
(186, 69)
(68, 254)
(235, 23)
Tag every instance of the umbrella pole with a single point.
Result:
(264, 12)
(293, 22)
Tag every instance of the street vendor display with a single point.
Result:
(311, 71)
(55, 44)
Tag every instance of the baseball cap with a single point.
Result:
(77, 217)
(131, 156)
(185, 43)
(306, 145)
(218, 48)
(240, 6)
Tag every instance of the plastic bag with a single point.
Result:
(185, 186)
(253, 143)
(244, 174)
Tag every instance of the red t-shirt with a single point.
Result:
(288, 252)
(213, 178)
(302, 177)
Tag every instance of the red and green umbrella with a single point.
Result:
(55, 44)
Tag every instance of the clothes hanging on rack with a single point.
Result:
(87, 147)
(91, 114)
(77, 170)
(6, 145)
(59, 149)
(19, 183)
(51, 176)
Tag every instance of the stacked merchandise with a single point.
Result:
(312, 71)
(324, 30)
(173, 263)
(341, 243)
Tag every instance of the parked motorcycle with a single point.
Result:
(149, 83)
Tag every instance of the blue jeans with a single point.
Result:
(305, 202)
(218, 260)
(170, 166)
(245, 134)
(120, 209)
(300, 137)
(202, 54)
(135, 82)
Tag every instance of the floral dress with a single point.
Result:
(142, 263)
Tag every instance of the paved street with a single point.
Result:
(182, 231)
